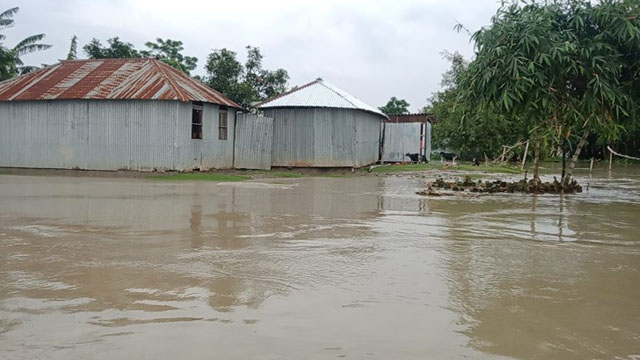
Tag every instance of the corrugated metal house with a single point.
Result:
(110, 114)
(406, 133)
(320, 125)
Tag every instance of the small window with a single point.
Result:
(196, 121)
(222, 125)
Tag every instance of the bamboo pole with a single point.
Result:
(591, 166)
(524, 158)
(621, 155)
(610, 158)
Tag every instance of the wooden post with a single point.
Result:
(591, 166)
(524, 158)
(610, 159)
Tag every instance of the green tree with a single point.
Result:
(11, 63)
(245, 84)
(395, 106)
(561, 64)
(116, 49)
(470, 133)
(170, 52)
(224, 72)
(73, 49)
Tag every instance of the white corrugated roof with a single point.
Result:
(319, 93)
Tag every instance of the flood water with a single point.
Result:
(316, 268)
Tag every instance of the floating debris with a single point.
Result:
(499, 186)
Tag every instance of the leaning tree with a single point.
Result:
(569, 66)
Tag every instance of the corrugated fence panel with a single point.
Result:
(253, 142)
(325, 137)
(334, 141)
(400, 139)
(293, 137)
(428, 142)
(367, 138)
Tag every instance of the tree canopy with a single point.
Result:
(11, 63)
(116, 49)
(245, 84)
(472, 132)
(568, 66)
(170, 51)
(395, 106)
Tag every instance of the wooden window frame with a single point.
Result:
(223, 124)
(197, 111)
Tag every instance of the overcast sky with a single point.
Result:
(372, 49)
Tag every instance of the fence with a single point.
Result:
(253, 139)
(400, 139)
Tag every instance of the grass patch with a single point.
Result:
(202, 177)
(436, 166)
(490, 168)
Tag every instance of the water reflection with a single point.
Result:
(315, 267)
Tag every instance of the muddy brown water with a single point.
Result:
(316, 268)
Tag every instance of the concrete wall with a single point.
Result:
(324, 137)
(110, 135)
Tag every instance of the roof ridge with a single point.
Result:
(168, 79)
(200, 85)
(318, 80)
(334, 89)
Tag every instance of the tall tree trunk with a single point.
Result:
(576, 154)
(536, 158)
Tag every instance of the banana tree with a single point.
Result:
(11, 63)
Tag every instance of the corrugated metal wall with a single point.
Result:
(253, 142)
(110, 135)
(400, 139)
(428, 142)
(324, 137)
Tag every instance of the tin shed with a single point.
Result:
(320, 125)
(110, 114)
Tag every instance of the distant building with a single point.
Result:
(109, 114)
(407, 134)
(320, 125)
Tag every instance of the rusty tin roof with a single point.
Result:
(109, 79)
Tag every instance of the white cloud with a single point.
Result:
(373, 49)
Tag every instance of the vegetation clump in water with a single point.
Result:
(499, 186)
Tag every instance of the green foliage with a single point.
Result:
(170, 52)
(246, 84)
(395, 106)
(471, 131)
(73, 49)
(566, 65)
(117, 49)
(11, 63)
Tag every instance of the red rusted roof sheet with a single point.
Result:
(411, 118)
(100, 79)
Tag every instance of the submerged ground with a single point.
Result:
(316, 267)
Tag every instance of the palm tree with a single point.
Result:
(10, 62)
